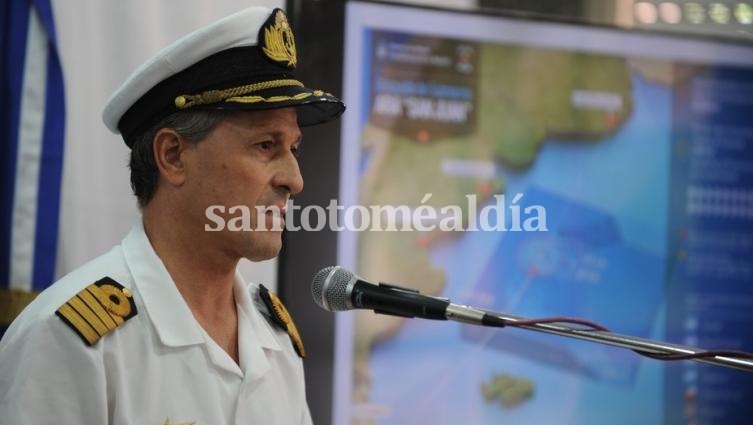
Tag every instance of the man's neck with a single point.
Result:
(203, 275)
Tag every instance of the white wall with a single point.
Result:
(101, 42)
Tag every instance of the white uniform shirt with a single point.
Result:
(160, 367)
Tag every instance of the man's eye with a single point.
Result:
(296, 151)
(265, 146)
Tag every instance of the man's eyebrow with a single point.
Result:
(277, 134)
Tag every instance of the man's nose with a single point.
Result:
(289, 177)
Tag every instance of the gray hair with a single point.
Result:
(194, 126)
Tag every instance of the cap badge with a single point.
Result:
(276, 40)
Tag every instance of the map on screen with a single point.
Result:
(640, 151)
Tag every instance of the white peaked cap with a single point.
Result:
(242, 62)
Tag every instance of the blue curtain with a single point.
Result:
(32, 131)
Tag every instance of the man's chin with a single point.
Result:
(264, 250)
(260, 258)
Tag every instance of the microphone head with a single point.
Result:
(329, 288)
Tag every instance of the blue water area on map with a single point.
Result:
(580, 267)
(602, 259)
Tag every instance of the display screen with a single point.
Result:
(576, 171)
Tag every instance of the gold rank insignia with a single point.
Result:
(276, 40)
(98, 309)
(281, 317)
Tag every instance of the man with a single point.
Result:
(162, 329)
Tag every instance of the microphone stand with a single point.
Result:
(609, 338)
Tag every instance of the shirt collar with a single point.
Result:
(250, 309)
(172, 318)
(254, 335)
(167, 309)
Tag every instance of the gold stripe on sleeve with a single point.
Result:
(97, 308)
(87, 314)
(81, 327)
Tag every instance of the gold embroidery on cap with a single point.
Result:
(257, 99)
(186, 101)
(279, 43)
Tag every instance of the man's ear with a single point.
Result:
(169, 149)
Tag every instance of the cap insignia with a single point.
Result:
(98, 309)
(186, 101)
(282, 318)
(276, 40)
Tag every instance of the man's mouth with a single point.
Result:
(276, 213)
(276, 209)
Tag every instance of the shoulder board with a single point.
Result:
(281, 317)
(98, 309)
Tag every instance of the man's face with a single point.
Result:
(249, 159)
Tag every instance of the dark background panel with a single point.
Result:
(318, 27)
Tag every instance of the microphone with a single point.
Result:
(337, 289)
